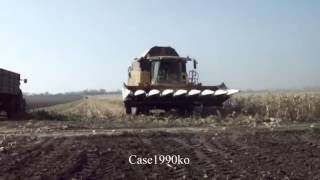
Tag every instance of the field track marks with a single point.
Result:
(261, 155)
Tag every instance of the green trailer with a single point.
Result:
(11, 97)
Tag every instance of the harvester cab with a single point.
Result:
(159, 80)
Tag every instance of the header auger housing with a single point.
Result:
(159, 80)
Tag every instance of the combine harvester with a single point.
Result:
(159, 80)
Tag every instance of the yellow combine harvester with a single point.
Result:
(159, 80)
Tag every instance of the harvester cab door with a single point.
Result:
(155, 65)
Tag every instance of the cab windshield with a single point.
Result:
(166, 71)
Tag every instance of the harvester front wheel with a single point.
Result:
(134, 111)
(185, 110)
(128, 109)
(144, 110)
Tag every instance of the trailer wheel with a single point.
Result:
(16, 108)
(10, 109)
(9, 114)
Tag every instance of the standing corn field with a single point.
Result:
(289, 106)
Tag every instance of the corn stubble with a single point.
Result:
(252, 108)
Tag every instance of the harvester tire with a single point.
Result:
(128, 109)
(185, 110)
(144, 110)
(134, 111)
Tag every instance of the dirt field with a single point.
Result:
(213, 153)
(260, 137)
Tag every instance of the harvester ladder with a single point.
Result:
(193, 77)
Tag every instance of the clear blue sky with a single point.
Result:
(74, 45)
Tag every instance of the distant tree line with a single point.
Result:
(86, 92)
(37, 100)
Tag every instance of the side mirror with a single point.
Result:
(129, 71)
(25, 81)
(195, 64)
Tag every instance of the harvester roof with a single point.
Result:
(160, 51)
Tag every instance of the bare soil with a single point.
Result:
(216, 153)
(92, 139)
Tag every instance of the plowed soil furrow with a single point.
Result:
(260, 155)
